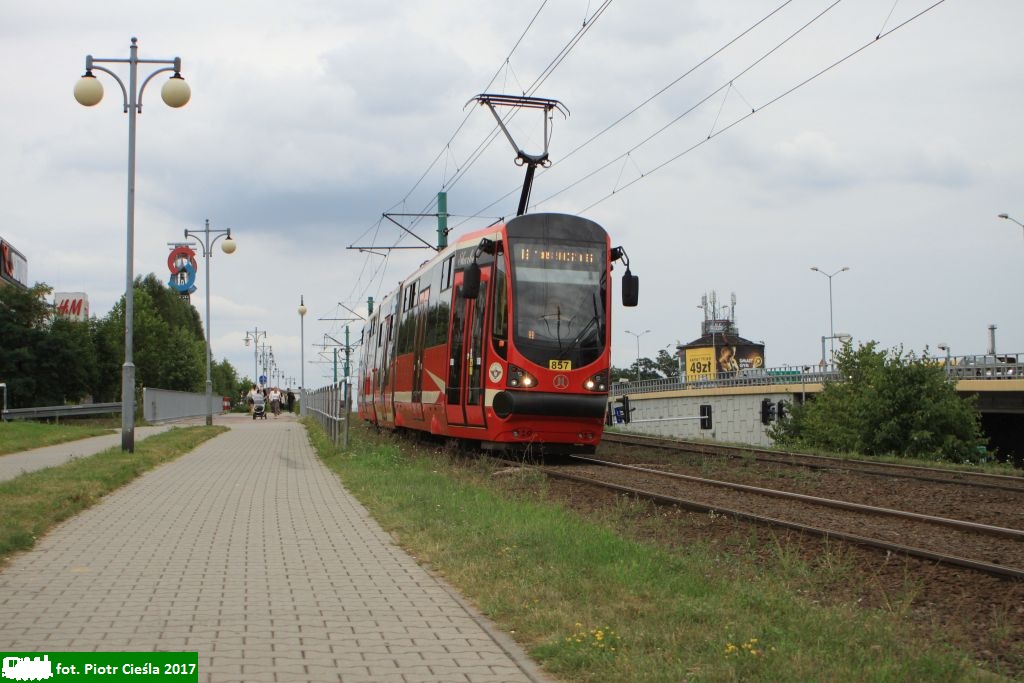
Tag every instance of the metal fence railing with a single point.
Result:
(742, 378)
(988, 367)
(331, 406)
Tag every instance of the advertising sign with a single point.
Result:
(13, 266)
(700, 364)
(739, 357)
(74, 305)
(708, 362)
(182, 264)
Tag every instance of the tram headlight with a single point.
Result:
(517, 377)
(598, 382)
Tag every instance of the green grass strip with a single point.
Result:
(34, 502)
(591, 605)
(24, 436)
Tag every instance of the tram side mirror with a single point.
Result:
(630, 289)
(471, 281)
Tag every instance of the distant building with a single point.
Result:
(13, 265)
(720, 351)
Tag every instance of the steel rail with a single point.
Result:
(993, 569)
(816, 500)
(954, 477)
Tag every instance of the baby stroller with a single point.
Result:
(259, 407)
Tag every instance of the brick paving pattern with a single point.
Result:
(249, 551)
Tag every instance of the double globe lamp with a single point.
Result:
(89, 92)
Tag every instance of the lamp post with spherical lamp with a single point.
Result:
(89, 92)
(228, 247)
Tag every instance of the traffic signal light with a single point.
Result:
(705, 416)
(609, 419)
(626, 410)
(767, 411)
(780, 412)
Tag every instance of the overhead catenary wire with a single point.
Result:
(644, 103)
(764, 106)
(488, 139)
(462, 169)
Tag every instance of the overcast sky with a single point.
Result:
(311, 118)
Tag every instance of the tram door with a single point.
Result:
(465, 390)
(417, 356)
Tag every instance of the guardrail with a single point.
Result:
(989, 367)
(330, 406)
(61, 411)
(726, 379)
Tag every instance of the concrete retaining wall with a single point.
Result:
(735, 417)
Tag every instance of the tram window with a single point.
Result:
(446, 273)
(410, 297)
(499, 327)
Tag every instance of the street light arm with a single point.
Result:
(90, 67)
(1011, 219)
(142, 87)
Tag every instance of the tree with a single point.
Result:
(225, 378)
(169, 348)
(887, 403)
(47, 359)
(24, 315)
(667, 365)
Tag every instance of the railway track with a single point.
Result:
(992, 549)
(999, 482)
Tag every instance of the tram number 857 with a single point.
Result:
(559, 365)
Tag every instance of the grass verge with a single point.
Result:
(23, 436)
(592, 605)
(36, 501)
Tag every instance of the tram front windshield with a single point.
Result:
(559, 303)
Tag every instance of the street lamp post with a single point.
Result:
(637, 335)
(831, 325)
(228, 247)
(253, 336)
(302, 355)
(89, 92)
(1011, 219)
(842, 336)
(945, 347)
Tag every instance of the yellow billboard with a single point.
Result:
(700, 364)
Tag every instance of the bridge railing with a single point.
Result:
(987, 367)
(741, 378)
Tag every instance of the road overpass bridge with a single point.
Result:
(671, 407)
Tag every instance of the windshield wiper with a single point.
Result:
(575, 343)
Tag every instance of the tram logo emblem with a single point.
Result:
(495, 372)
(561, 382)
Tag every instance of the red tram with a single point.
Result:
(503, 338)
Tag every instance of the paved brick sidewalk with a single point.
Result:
(249, 551)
